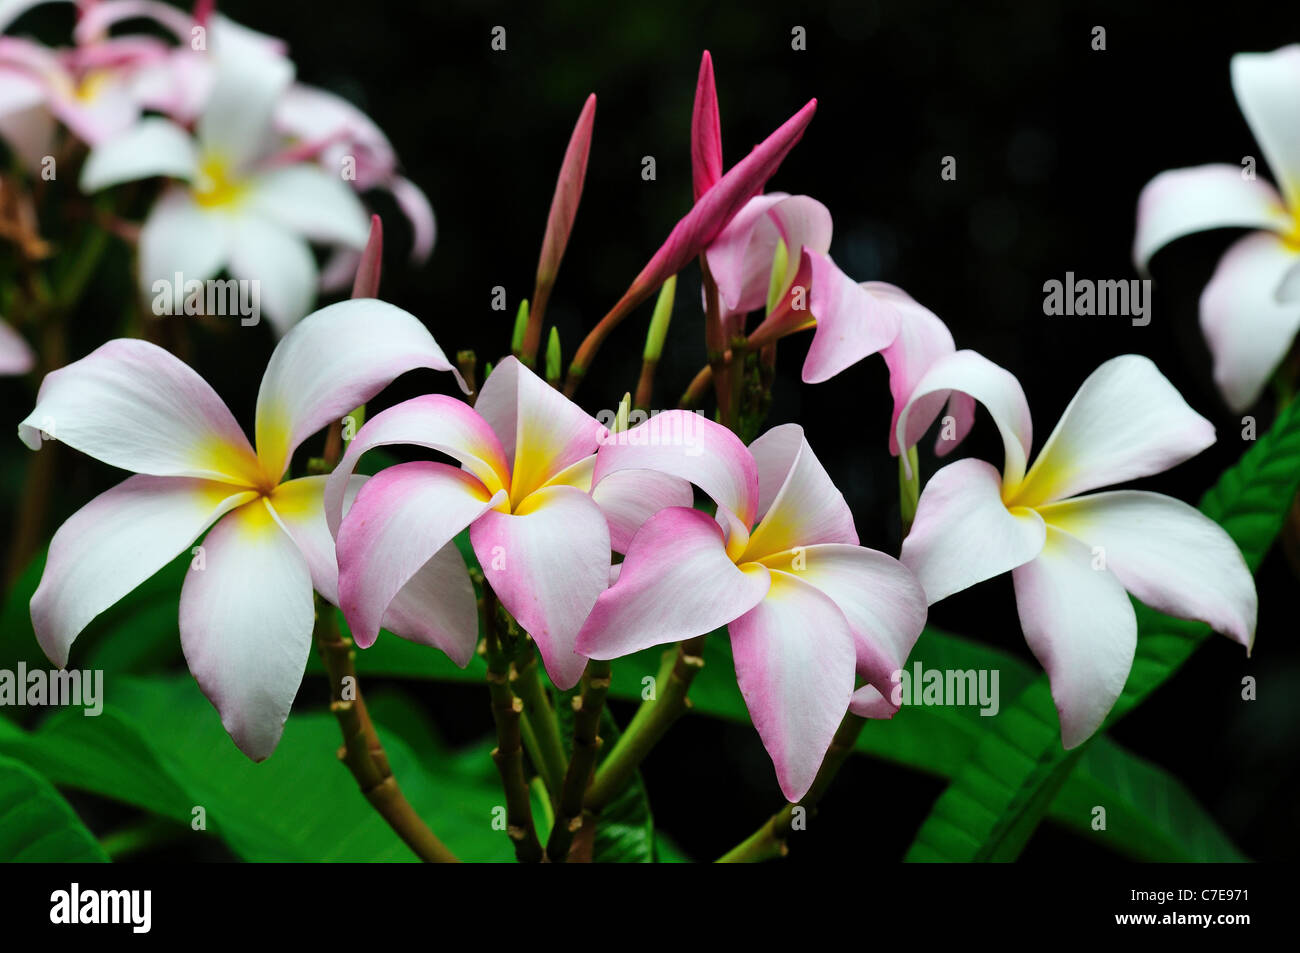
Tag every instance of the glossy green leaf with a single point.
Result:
(36, 824)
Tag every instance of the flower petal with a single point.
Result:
(691, 447)
(133, 405)
(311, 202)
(547, 562)
(677, 582)
(281, 263)
(741, 256)
(439, 423)
(1248, 328)
(627, 498)
(15, 356)
(794, 658)
(1265, 84)
(1080, 625)
(852, 323)
(299, 506)
(542, 431)
(180, 237)
(236, 122)
(706, 131)
(995, 387)
(1126, 421)
(246, 621)
(1168, 554)
(881, 599)
(331, 363)
(1183, 201)
(114, 543)
(963, 533)
(410, 198)
(805, 508)
(400, 520)
(154, 146)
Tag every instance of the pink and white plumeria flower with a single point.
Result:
(1250, 310)
(246, 611)
(779, 565)
(239, 210)
(542, 537)
(1074, 558)
(850, 320)
(15, 355)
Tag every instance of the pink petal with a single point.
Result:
(964, 534)
(1127, 421)
(881, 599)
(548, 562)
(541, 430)
(246, 621)
(852, 323)
(15, 356)
(1185, 201)
(114, 543)
(401, 518)
(677, 582)
(433, 421)
(627, 498)
(805, 508)
(1168, 554)
(415, 206)
(741, 257)
(794, 658)
(568, 193)
(331, 363)
(1080, 626)
(693, 448)
(706, 131)
(133, 405)
(868, 702)
(1248, 329)
(299, 506)
(995, 387)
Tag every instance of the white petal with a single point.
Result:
(154, 146)
(181, 238)
(311, 202)
(281, 263)
(236, 122)
(1265, 84)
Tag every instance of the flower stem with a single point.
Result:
(695, 392)
(508, 755)
(362, 752)
(587, 709)
(769, 841)
(540, 717)
(651, 721)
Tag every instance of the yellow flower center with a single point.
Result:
(216, 184)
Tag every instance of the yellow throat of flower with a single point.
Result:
(216, 185)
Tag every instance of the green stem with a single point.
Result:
(651, 721)
(140, 836)
(541, 721)
(909, 488)
(770, 841)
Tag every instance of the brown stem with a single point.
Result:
(645, 385)
(770, 840)
(362, 752)
(587, 709)
(715, 342)
(508, 755)
(698, 387)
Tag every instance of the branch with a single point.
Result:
(587, 709)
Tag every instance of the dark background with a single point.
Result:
(1053, 142)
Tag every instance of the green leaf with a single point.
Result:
(160, 746)
(36, 824)
(996, 800)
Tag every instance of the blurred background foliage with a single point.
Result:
(1053, 142)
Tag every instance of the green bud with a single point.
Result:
(553, 355)
(654, 339)
(909, 489)
(624, 411)
(521, 326)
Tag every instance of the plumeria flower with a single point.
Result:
(88, 88)
(15, 356)
(240, 208)
(1074, 558)
(246, 611)
(773, 256)
(779, 565)
(1250, 310)
(523, 489)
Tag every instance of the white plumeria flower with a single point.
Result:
(246, 611)
(1073, 558)
(236, 211)
(1250, 310)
